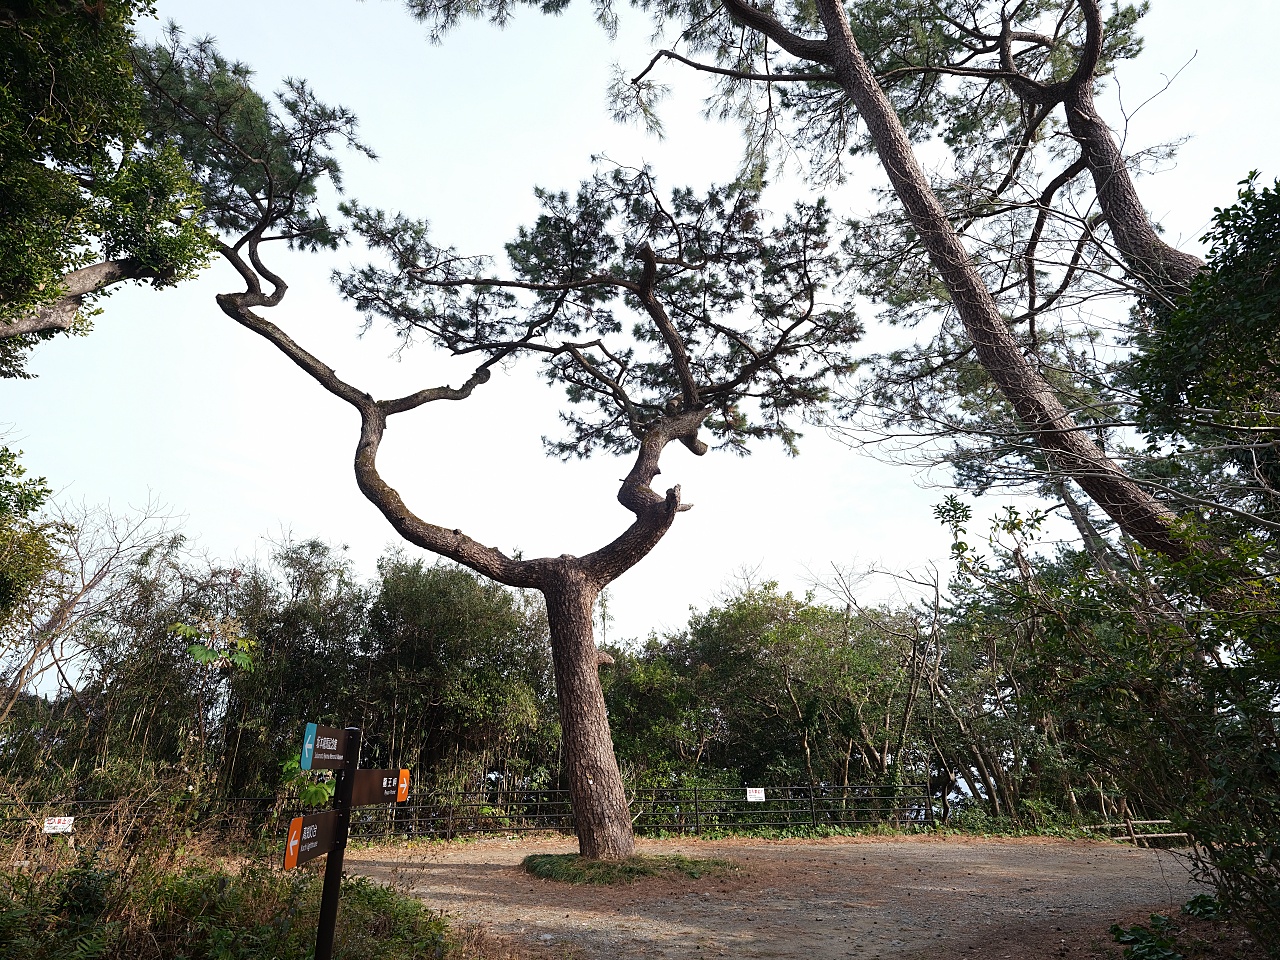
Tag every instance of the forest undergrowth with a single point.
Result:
(157, 907)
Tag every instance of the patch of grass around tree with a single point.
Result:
(571, 868)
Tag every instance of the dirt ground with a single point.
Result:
(809, 899)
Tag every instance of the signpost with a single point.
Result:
(59, 824)
(379, 786)
(328, 748)
(309, 837)
(755, 794)
(325, 748)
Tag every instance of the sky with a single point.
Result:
(169, 400)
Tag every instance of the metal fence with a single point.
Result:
(671, 810)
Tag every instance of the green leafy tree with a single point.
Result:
(28, 544)
(667, 715)
(1159, 700)
(306, 612)
(90, 198)
(1204, 373)
(824, 695)
(459, 677)
(767, 688)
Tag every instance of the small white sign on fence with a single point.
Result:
(58, 824)
(755, 794)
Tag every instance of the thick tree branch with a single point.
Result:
(654, 514)
(76, 285)
(452, 544)
(817, 51)
(1165, 270)
(675, 344)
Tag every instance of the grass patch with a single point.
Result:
(571, 868)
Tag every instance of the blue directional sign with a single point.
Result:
(323, 748)
(308, 746)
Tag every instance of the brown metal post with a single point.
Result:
(345, 780)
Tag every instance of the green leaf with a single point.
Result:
(202, 653)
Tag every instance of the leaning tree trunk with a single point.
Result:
(601, 814)
(76, 285)
(1128, 503)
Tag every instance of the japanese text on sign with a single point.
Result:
(323, 748)
(309, 837)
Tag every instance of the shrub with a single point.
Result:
(203, 911)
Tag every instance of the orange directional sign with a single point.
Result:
(309, 837)
(379, 786)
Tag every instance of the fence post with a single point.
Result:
(697, 812)
(813, 812)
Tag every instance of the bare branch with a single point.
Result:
(735, 74)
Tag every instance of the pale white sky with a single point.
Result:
(169, 398)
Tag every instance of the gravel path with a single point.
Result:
(807, 899)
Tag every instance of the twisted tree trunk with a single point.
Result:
(1164, 270)
(569, 584)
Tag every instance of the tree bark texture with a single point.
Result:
(1165, 270)
(1130, 505)
(602, 816)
